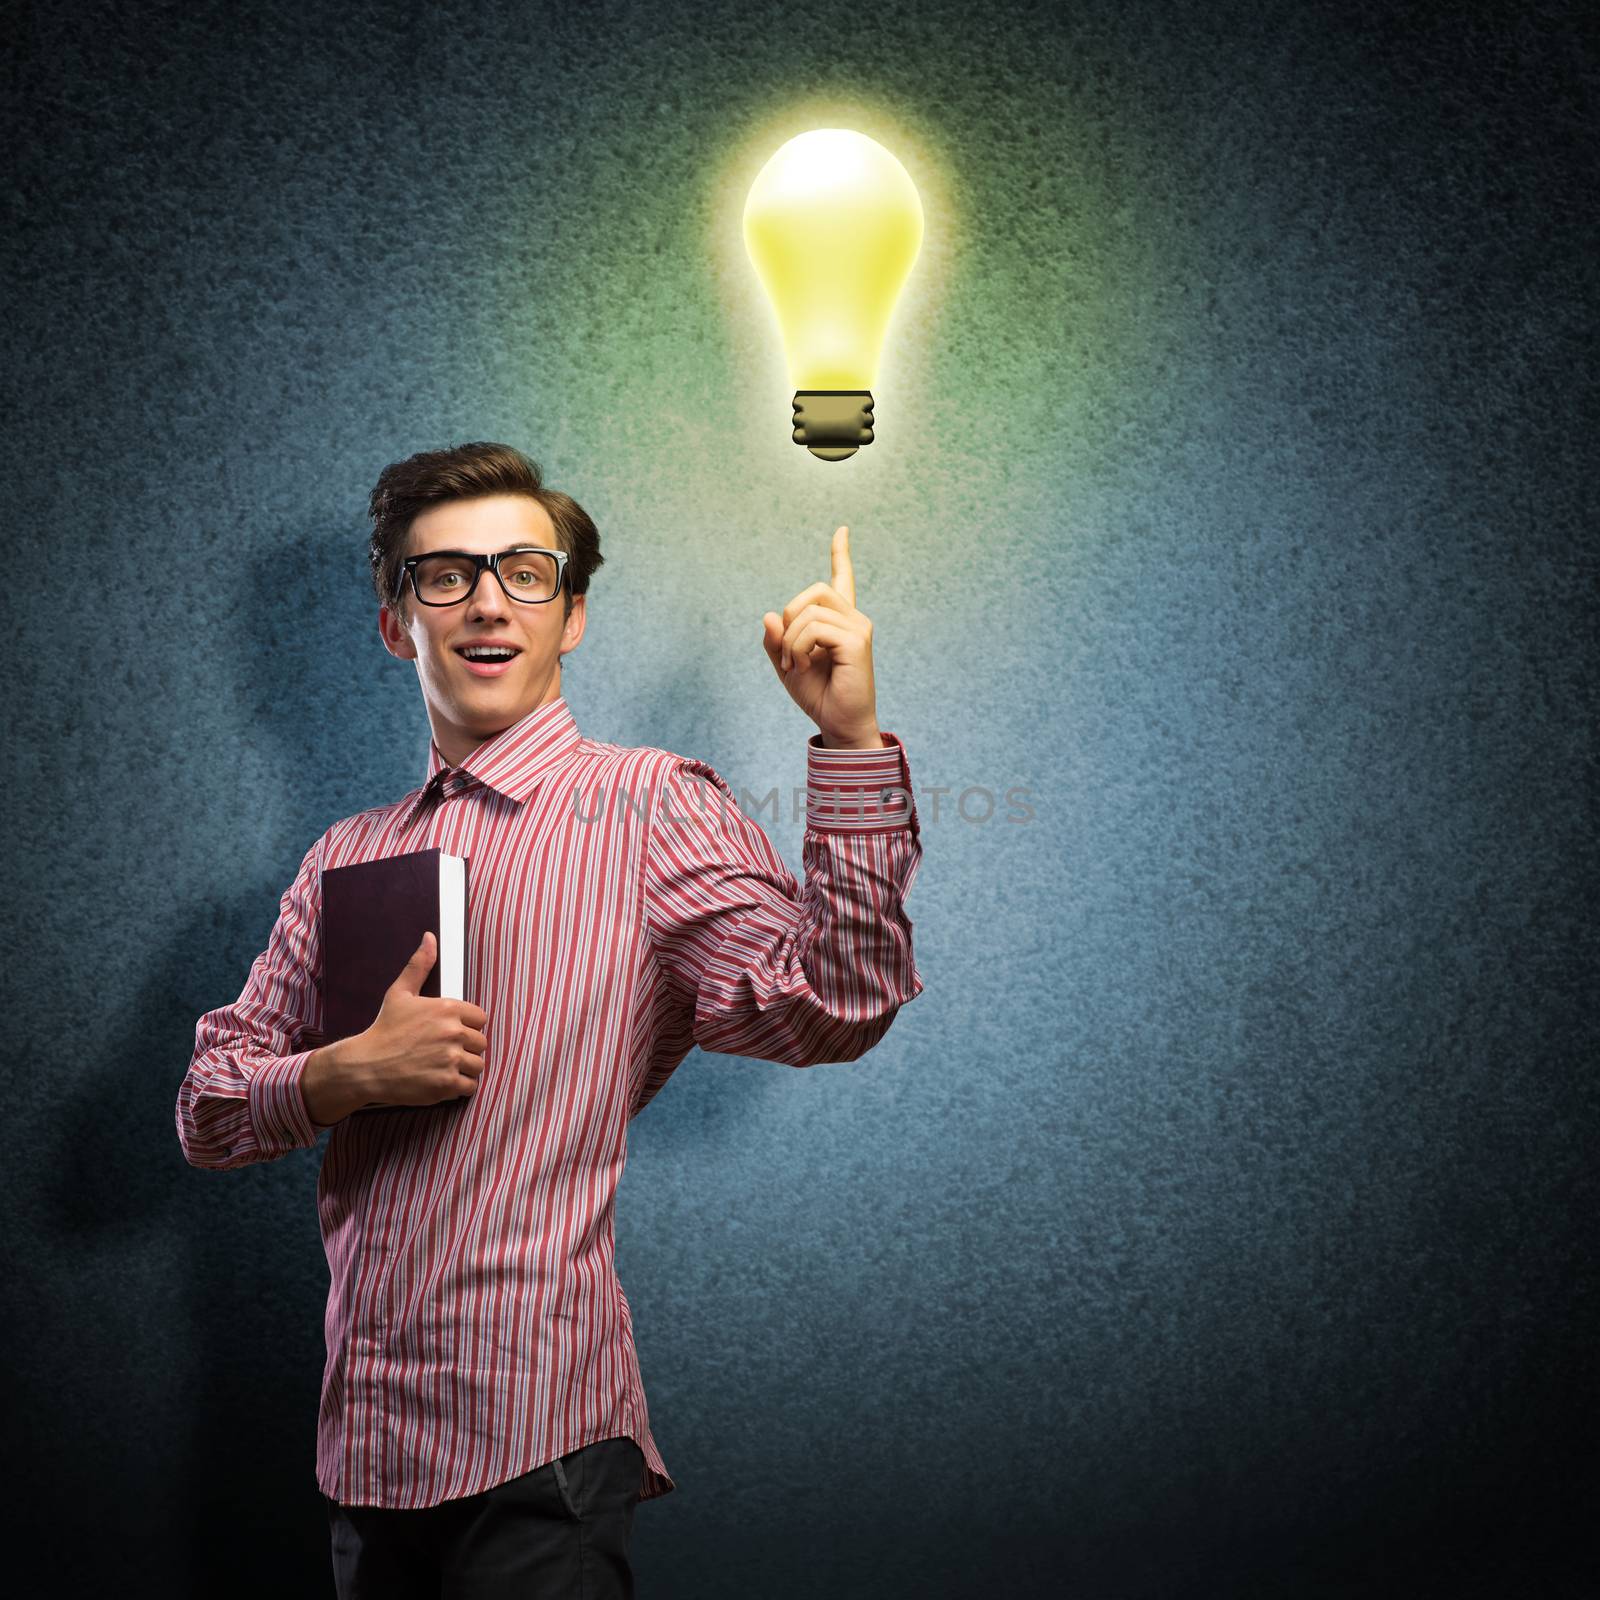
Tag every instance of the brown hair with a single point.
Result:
(405, 489)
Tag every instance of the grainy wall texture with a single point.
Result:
(1219, 1220)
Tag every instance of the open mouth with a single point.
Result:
(487, 661)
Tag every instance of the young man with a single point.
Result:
(483, 1421)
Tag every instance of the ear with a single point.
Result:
(572, 629)
(395, 638)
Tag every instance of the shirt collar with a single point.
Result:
(514, 761)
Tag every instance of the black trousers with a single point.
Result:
(561, 1530)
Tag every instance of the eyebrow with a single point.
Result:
(510, 550)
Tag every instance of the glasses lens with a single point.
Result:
(443, 579)
(528, 575)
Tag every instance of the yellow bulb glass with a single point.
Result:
(833, 225)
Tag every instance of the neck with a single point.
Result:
(456, 744)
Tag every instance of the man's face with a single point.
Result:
(466, 703)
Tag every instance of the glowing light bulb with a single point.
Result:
(833, 224)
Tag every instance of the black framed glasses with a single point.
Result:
(530, 574)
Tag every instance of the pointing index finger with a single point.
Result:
(844, 576)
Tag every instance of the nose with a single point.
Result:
(488, 600)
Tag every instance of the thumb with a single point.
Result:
(772, 639)
(418, 967)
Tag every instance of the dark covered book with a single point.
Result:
(374, 915)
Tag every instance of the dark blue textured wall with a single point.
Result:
(1219, 1221)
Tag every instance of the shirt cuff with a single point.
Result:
(859, 791)
(278, 1108)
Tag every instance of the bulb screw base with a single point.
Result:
(833, 423)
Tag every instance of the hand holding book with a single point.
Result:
(419, 1051)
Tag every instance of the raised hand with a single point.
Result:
(820, 646)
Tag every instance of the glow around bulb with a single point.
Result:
(833, 225)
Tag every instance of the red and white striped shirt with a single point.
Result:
(621, 908)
